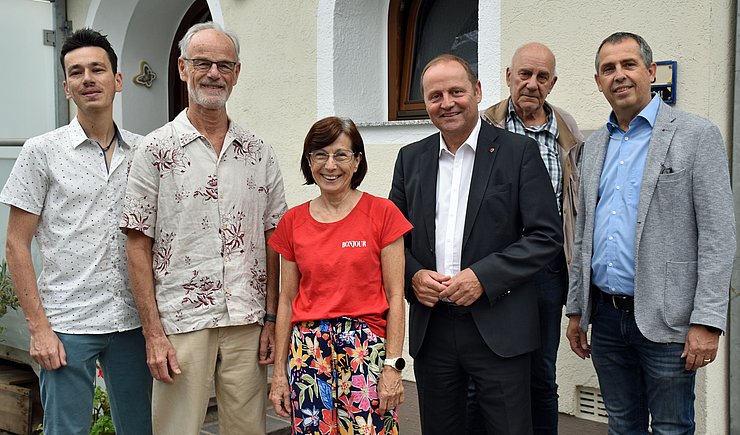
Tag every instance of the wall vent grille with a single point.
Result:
(590, 405)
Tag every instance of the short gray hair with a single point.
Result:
(645, 51)
(185, 41)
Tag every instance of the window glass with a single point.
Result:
(444, 27)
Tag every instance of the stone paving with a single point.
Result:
(276, 425)
(408, 415)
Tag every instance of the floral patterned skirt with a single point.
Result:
(334, 369)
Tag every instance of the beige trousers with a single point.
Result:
(227, 355)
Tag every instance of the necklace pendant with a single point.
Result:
(105, 149)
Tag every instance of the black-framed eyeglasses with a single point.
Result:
(321, 157)
(223, 66)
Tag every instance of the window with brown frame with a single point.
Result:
(418, 31)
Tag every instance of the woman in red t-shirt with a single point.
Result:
(340, 317)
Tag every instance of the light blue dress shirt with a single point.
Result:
(613, 260)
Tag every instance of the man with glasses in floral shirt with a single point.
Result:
(203, 198)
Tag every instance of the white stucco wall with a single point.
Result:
(276, 93)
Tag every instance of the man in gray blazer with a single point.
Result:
(655, 241)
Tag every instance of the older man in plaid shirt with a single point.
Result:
(531, 77)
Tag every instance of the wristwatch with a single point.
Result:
(397, 363)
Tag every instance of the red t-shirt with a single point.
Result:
(339, 261)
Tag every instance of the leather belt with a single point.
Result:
(620, 302)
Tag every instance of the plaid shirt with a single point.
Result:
(547, 138)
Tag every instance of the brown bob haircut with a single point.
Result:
(324, 133)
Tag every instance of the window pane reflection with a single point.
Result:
(444, 26)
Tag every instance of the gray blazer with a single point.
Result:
(685, 242)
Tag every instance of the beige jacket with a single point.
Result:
(570, 142)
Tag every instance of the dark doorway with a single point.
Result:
(178, 95)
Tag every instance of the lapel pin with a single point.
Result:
(492, 149)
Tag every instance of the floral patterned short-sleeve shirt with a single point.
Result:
(207, 215)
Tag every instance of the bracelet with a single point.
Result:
(270, 318)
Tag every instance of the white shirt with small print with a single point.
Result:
(61, 176)
(208, 216)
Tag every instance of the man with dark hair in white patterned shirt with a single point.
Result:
(66, 190)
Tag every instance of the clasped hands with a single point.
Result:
(430, 287)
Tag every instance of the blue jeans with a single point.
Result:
(67, 392)
(639, 377)
(551, 283)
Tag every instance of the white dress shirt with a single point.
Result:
(453, 186)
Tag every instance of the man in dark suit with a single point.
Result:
(485, 221)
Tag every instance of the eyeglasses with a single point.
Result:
(224, 66)
(321, 157)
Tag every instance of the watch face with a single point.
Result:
(400, 363)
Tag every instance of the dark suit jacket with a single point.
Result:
(512, 229)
